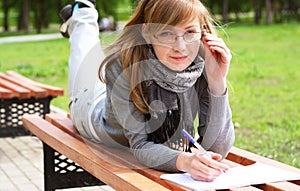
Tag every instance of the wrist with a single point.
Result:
(183, 161)
(218, 88)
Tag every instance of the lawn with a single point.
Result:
(263, 81)
(264, 78)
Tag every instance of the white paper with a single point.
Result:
(257, 173)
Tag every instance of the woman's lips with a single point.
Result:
(179, 58)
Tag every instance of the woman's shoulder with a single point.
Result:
(114, 67)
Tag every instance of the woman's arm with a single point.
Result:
(122, 114)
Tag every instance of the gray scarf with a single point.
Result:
(174, 81)
(166, 85)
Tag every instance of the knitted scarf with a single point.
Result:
(174, 81)
(163, 87)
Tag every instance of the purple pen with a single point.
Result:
(197, 145)
(193, 141)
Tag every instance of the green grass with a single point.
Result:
(264, 79)
(46, 62)
(265, 76)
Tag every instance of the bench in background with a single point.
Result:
(20, 95)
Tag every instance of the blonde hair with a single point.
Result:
(132, 46)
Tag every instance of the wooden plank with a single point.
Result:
(246, 188)
(36, 92)
(244, 157)
(126, 158)
(19, 91)
(6, 93)
(278, 186)
(123, 157)
(100, 165)
(235, 158)
(53, 91)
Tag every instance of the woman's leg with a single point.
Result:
(86, 56)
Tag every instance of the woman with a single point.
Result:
(166, 69)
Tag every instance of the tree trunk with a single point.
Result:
(225, 11)
(268, 12)
(6, 15)
(257, 11)
(23, 19)
(38, 15)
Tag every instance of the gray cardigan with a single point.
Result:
(119, 124)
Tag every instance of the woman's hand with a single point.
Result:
(204, 167)
(217, 62)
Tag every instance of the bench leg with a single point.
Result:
(12, 110)
(60, 172)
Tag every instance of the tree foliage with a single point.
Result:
(40, 13)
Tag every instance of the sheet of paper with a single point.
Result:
(257, 173)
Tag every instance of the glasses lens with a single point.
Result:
(169, 38)
(166, 38)
(191, 37)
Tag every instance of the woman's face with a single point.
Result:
(172, 48)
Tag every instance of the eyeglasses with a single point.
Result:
(170, 38)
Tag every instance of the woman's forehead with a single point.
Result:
(182, 25)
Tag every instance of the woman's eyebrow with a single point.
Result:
(192, 26)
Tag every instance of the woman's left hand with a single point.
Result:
(217, 62)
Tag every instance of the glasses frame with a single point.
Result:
(177, 36)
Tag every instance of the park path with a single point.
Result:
(25, 38)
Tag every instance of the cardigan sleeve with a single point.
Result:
(215, 126)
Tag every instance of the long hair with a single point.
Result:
(132, 46)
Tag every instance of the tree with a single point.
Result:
(23, 18)
(225, 13)
(268, 12)
(257, 11)
(40, 15)
(6, 5)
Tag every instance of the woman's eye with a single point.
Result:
(165, 33)
(191, 32)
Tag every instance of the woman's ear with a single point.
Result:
(145, 35)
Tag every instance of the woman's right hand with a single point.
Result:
(205, 167)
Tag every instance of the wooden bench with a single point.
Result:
(20, 95)
(118, 168)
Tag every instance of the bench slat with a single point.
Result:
(245, 158)
(35, 91)
(112, 173)
(246, 188)
(6, 93)
(280, 186)
(19, 91)
(53, 91)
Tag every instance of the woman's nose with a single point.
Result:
(179, 44)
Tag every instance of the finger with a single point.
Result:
(204, 178)
(208, 51)
(225, 57)
(219, 44)
(202, 170)
(210, 162)
(211, 40)
(215, 156)
(194, 150)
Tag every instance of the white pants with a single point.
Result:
(86, 55)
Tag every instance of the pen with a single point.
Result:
(194, 142)
(197, 145)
